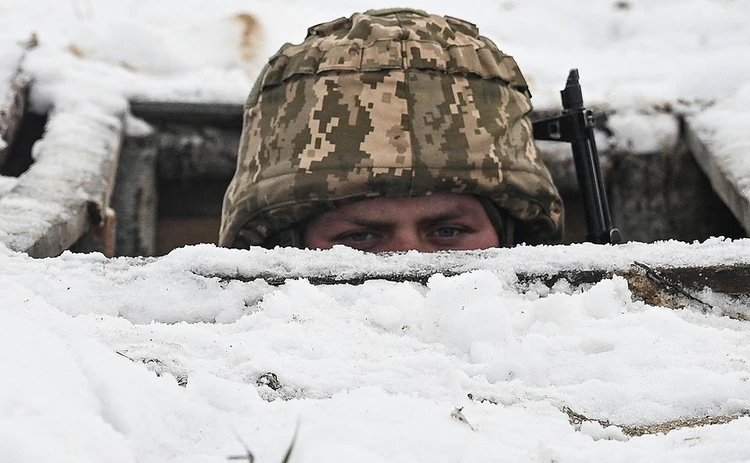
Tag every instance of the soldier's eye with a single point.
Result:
(448, 232)
(357, 237)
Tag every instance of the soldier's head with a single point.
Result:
(390, 130)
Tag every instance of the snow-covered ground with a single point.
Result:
(155, 360)
(628, 52)
(380, 371)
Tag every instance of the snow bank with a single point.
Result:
(156, 360)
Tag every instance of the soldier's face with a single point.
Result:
(437, 222)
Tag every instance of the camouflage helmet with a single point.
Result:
(388, 103)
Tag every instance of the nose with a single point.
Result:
(408, 240)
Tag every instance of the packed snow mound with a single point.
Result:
(187, 358)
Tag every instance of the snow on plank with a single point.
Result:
(13, 86)
(67, 190)
(673, 274)
(718, 138)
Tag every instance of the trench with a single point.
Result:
(170, 184)
(656, 196)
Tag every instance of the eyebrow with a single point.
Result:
(445, 216)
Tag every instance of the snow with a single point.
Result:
(629, 53)
(168, 359)
(161, 359)
(72, 166)
(724, 127)
(7, 183)
(643, 133)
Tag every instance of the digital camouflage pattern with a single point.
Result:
(390, 103)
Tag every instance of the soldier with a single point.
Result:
(391, 130)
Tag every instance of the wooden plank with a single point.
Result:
(100, 237)
(135, 198)
(672, 287)
(13, 93)
(724, 179)
(725, 279)
(211, 114)
(190, 153)
(666, 286)
(655, 188)
(665, 195)
(721, 279)
(67, 190)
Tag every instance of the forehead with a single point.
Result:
(439, 204)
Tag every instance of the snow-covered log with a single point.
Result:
(67, 190)
(663, 284)
(13, 87)
(671, 273)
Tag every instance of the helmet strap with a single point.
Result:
(502, 222)
(289, 238)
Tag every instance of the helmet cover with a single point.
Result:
(389, 103)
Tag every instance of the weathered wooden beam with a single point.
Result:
(658, 285)
(725, 279)
(670, 287)
(68, 188)
(181, 171)
(730, 184)
(13, 91)
(656, 189)
(190, 153)
(666, 195)
(210, 114)
(100, 236)
(135, 198)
